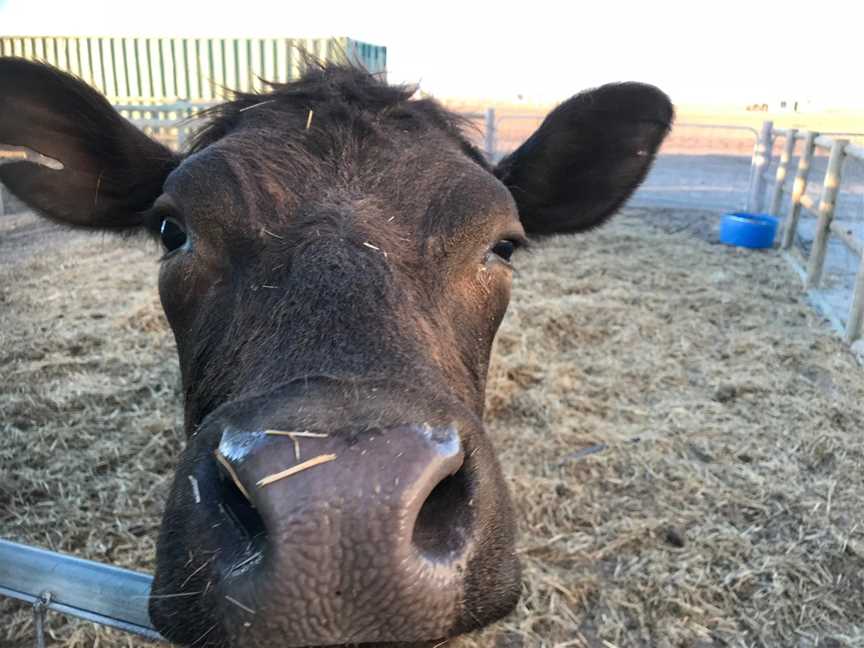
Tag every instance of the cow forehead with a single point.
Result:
(245, 178)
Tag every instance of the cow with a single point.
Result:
(337, 260)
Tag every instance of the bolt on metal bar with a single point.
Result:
(100, 593)
(39, 608)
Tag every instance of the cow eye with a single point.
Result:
(172, 234)
(504, 249)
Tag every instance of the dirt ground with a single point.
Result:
(681, 432)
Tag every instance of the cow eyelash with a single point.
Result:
(166, 226)
(173, 234)
(505, 247)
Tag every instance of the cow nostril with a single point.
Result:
(444, 522)
(239, 509)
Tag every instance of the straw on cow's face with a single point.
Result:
(338, 260)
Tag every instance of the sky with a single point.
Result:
(699, 51)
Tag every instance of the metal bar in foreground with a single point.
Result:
(100, 593)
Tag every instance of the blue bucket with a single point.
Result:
(748, 230)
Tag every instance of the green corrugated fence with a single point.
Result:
(159, 70)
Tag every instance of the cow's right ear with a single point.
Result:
(111, 172)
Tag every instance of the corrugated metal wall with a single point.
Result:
(159, 70)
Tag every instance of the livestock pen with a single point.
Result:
(680, 429)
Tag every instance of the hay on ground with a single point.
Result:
(722, 503)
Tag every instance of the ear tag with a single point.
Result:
(10, 154)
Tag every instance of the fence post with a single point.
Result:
(782, 171)
(826, 213)
(489, 135)
(856, 311)
(798, 190)
(761, 161)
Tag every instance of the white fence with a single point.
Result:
(823, 237)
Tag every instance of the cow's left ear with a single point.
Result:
(102, 173)
(587, 157)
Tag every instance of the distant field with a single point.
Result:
(824, 121)
(516, 121)
(851, 120)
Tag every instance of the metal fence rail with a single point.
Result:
(172, 124)
(89, 590)
(706, 166)
(702, 166)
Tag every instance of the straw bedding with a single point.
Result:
(683, 436)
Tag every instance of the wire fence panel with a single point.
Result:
(511, 131)
(700, 166)
(170, 124)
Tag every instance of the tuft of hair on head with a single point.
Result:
(334, 92)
